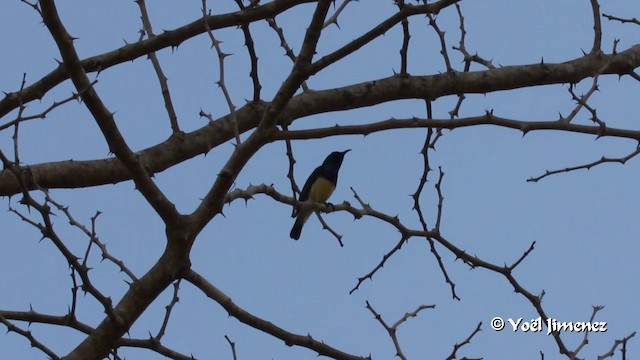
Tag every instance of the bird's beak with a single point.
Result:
(346, 151)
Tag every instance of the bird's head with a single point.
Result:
(334, 159)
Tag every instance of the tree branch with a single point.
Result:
(245, 317)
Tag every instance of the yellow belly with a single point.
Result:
(321, 190)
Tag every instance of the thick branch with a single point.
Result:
(129, 52)
(72, 174)
(214, 200)
(103, 117)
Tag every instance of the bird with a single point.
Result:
(318, 188)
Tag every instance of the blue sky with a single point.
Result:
(584, 223)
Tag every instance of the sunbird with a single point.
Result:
(318, 188)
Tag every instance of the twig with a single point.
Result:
(622, 20)
(602, 160)
(333, 19)
(27, 334)
(326, 226)
(617, 343)
(221, 84)
(392, 330)
(44, 113)
(233, 347)
(466, 341)
(253, 58)
(468, 58)
(585, 339)
(164, 86)
(582, 100)
(404, 50)
(524, 255)
(93, 237)
(443, 44)
(426, 169)
(168, 309)
(283, 43)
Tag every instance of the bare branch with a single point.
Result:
(443, 43)
(233, 347)
(585, 339)
(391, 330)
(27, 334)
(253, 58)
(383, 27)
(333, 19)
(164, 87)
(430, 144)
(47, 230)
(177, 149)
(212, 204)
(617, 343)
(597, 28)
(168, 308)
(133, 51)
(245, 317)
(404, 50)
(103, 116)
(524, 255)
(468, 58)
(582, 100)
(93, 237)
(602, 160)
(44, 113)
(283, 43)
(622, 20)
(486, 119)
(466, 341)
(221, 83)
(326, 226)
(70, 321)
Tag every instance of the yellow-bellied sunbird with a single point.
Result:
(318, 188)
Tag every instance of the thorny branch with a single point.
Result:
(429, 144)
(29, 336)
(283, 43)
(263, 117)
(468, 58)
(466, 341)
(43, 114)
(443, 43)
(333, 19)
(168, 309)
(253, 57)
(392, 330)
(622, 20)
(602, 160)
(406, 36)
(47, 230)
(221, 83)
(585, 339)
(617, 343)
(242, 315)
(147, 30)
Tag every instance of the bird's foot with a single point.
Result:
(331, 206)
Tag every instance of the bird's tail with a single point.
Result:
(303, 215)
(297, 228)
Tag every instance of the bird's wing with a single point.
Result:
(304, 195)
